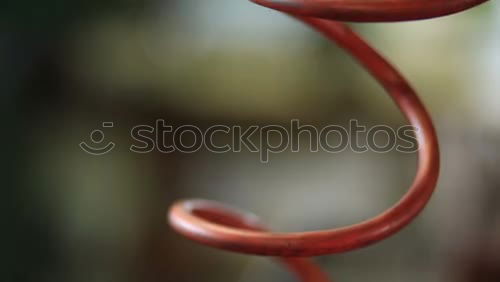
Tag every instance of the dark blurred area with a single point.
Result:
(69, 66)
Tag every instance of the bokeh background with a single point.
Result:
(68, 66)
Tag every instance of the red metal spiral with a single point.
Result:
(223, 227)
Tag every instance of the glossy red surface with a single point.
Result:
(222, 227)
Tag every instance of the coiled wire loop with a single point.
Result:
(223, 227)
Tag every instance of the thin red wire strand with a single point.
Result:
(219, 226)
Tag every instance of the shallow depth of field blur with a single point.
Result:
(68, 66)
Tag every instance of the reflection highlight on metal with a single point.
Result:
(220, 226)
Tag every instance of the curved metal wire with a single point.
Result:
(223, 227)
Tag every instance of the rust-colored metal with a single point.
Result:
(223, 227)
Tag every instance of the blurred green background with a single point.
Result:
(68, 66)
